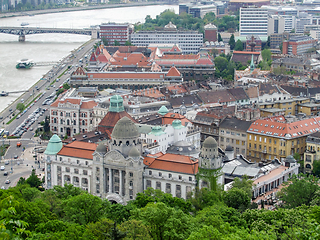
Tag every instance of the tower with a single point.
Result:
(210, 32)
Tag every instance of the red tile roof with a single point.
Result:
(177, 89)
(278, 127)
(173, 72)
(93, 57)
(76, 101)
(88, 104)
(109, 121)
(78, 149)
(174, 163)
(149, 92)
(170, 117)
(131, 75)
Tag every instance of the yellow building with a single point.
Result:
(276, 138)
(310, 109)
(312, 152)
(290, 106)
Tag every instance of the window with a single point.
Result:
(86, 162)
(160, 174)
(67, 169)
(148, 183)
(131, 174)
(85, 172)
(158, 185)
(190, 179)
(168, 188)
(180, 177)
(76, 170)
(150, 172)
(170, 175)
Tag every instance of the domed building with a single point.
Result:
(50, 154)
(119, 163)
(210, 159)
(115, 113)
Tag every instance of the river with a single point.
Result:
(53, 47)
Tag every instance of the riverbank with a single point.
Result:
(80, 8)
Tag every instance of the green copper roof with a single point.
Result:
(54, 145)
(163, 110)
(177, 124)
(116, 104)
(157, 131)
(251, 64)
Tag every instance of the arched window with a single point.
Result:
(61, 114)
(61, 121)
(127, 143)
(83, 122)
(74, 122)
(68, 122)
(54, 120)
(74, 115)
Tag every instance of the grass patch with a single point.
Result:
(3, 149)
(63, 73)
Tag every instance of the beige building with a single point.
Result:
(233, 132)
(312, 152)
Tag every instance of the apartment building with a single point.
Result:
(116, 32)
(312, 152)
(253, 21)
(277, 138)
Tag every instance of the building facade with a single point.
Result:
(115, 32)
(71, 116)
(188, 41)
(253, 21)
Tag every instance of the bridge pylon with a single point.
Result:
(22, 38)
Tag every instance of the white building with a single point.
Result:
(253, 21)
(70, 116)
(188, 41)
(276, 24)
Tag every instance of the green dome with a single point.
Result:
(176, 124)
(290, 159)
(157, 131)
(54, 145)
(125, 129)
(116, 104)
(163, 110)
(210, 142)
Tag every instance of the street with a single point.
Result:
(25, 162)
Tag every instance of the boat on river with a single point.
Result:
(25, 63)
(24, 24)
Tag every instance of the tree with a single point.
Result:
(115, 233)
(164, 222)
(135, 229)
(98, 230)
(20, 107)
(66, 86)
(220, 38)
(33, 180)
(316, 168)
(84, 208)
(238, 46)
(244, 183)
(128, 43)
(300, 190)
(105, 42)
(266, 55)
(116, 43)
(237, 198)
(46, 127)
(232, 42)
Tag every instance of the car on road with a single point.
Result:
(3, 187)
(7, 181)
(15, 157)
(5, 174)
(2, 168)
(6, 163)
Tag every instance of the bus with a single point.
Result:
(1, 131)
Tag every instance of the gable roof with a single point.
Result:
(173, 163)
(173, 72)
(279, 128)
(220, 96)
(78, 149)
(170, 117)
(238, 93)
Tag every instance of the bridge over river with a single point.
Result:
(23, 31)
